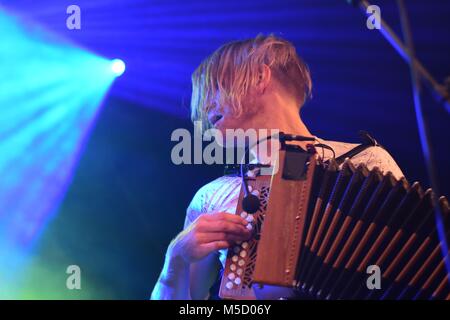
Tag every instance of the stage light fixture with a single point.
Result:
(117, 67)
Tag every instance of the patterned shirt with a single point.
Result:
(222, 194)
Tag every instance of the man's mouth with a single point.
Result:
(214, 119)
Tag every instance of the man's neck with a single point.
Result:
(288, 122)
(284, 115)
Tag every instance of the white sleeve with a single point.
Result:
(379, 157)
(195, 208)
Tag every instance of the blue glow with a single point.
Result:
(50, 92)
(118, 67)
(359, 82)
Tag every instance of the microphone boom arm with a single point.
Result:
(440, 92)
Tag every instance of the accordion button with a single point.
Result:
(249, 218)
(243, 214)
(239, 271)
(233, 267)
(237, 281)
(231, 276)
(243, 254)
(229, 285)
(240, 263)
(235, 258)
(244, 245)
(236, 249)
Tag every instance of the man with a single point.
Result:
(258, 83)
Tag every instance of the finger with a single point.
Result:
(223, 226)
(218, 236)
(216, 245)
(227, 217)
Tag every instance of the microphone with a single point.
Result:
(294, 137)
(250, 202)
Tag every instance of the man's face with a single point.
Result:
(222, 117)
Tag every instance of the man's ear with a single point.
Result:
(264, 76)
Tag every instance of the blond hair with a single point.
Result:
(234, 68)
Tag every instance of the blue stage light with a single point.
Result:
(50, 93)
(117, 67)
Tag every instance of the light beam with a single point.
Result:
(50, 93)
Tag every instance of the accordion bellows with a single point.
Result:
(339, 233)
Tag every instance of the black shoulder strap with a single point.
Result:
(367, 142)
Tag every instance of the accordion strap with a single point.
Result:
(367, 142)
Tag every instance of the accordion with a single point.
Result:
(329, 232)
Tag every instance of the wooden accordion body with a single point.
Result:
(321, 232)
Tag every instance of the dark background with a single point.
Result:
(127, 200)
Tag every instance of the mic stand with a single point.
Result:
(440, 92)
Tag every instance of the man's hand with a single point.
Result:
(208, 233)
